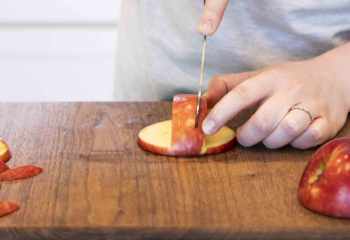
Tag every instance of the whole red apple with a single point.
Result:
(325, 183)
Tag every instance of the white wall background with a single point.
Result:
(58, 50)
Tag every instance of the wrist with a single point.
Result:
(336, 65)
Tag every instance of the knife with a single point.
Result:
(200, 80)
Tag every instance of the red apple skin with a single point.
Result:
(172, 152)
(222, 148)
(152, 148)
(186, 139)
(7, 155)
(330, 193)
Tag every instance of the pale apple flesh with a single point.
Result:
(156, 138)
(5, 153)
(325, 184)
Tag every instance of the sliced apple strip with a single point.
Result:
(186, 139)
(7, 208)
(5, 153)
(179, 137)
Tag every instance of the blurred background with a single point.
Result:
(58, 50)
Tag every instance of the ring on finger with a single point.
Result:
(304, 109)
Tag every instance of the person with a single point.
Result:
(291, 58)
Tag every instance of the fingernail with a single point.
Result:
(208, 126)
(207, 25)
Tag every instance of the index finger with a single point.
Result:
(212, 16)
(221, 84)
(244, 95)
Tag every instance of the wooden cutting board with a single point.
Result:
(98, 184)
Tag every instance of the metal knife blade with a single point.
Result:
(200, 81)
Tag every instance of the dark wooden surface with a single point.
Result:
(98, 184)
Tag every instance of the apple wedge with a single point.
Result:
(5, 153)
(179, 137)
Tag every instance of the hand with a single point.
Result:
(321, 85)
(211, 16)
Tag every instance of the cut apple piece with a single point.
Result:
(7, 208)
(156, 138)
(179, 137)
(186, 139)
(5, 153)
(20, 173)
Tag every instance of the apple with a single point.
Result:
(325, 184)
(5, 153)
(185, 138)
(179, 137)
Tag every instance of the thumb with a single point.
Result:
(220, 85)
(211, 16)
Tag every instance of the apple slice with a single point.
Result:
(156, 138)
(7, 208)
(179, 137)
(185, 138)
(325, 184)
(5, 153)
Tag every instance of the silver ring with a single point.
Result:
(304, 109)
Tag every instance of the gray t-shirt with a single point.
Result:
(159, 47)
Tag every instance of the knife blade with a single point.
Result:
(200, 81)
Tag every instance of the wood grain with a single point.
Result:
(98, 184)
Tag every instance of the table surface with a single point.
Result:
(98, 184)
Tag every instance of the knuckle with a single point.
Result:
(270, 144)
(277, 73)
(312, 137)
(242, 92)
(242, 138)
(298, 89)
(290, 127)
(215, 79)
(261, 124)
(315, 135)
(213, 10)
(244, 142)
(298, 145)
(217, 88)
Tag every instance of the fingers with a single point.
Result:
(316, 134)
(220, 85)
(264, 121)
(242, 96)
(292, 126)
(211, 16)
(276, 90)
